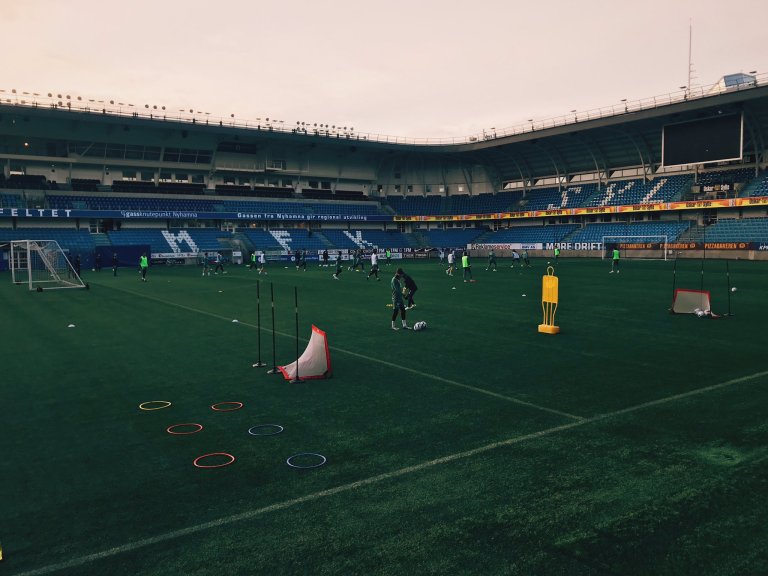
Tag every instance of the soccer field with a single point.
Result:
(633, 442)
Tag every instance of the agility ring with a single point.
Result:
(145, 405)
(170, 429)
(265, 430)
(292, 465)
(211, 455)
(237, 406)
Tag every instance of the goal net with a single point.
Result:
(636, 247)
(42, 265)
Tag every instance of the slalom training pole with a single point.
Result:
(728, 280)
(674, 281)
(259, 363)
(296, 378)
(274, 369)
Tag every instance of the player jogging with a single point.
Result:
(451, 261)
(397, 301)
(143, 265)
(615, 262)
(491, 260)
(466, 267)
(219, 264)
(374, 266)
(262, 263)
(339, 267)
(516, 259)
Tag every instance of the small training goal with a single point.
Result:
(41, 265)
(636, 247)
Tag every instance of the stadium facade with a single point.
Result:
(92, 175)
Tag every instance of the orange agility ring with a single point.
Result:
(211, 455)
(146, 405)
(195, 431)
(235, 406)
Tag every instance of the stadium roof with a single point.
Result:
(602, 143)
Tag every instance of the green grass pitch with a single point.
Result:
(633, 442)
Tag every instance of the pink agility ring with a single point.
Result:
(170, 429)
(237, 406)
(210, 456)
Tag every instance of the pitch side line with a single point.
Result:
(377, 360)
(226, 520)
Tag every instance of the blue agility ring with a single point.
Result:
(277, 428)
(292, 465)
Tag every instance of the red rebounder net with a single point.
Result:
(314, 363)
(688, 301)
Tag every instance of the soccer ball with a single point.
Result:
(420, 325)
(733, 289)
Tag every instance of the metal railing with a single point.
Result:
(78, 103)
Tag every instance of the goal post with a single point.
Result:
(41, 265)
(651, 247)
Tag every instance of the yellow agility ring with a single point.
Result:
(145, 405)
(172, 429)
(234, 406)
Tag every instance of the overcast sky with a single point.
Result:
(414, 68)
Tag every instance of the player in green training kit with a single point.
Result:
(466, 267)
(397, 301)
(143, 265)
(615, 263)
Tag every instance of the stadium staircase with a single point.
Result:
(417, 240)
(100, 239)
(320, 236)
(695, 233)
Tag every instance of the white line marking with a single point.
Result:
(226, 520)
(377, 360)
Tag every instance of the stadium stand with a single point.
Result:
(739, 175)
(298, 239)
(367, 239)
(11, 201)
(527, 234)
(70, 239)
(553, 198)
(84, 184)
(738, 230)
(25, 182)
(112, 202)
(458, 204)
(759, 186)
(176, 240)
(451, 238)
(261, 239)
(595, 232)
(415, 205)
(640, 191)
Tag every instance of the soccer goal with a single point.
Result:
(636, 247)
(42, 265)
